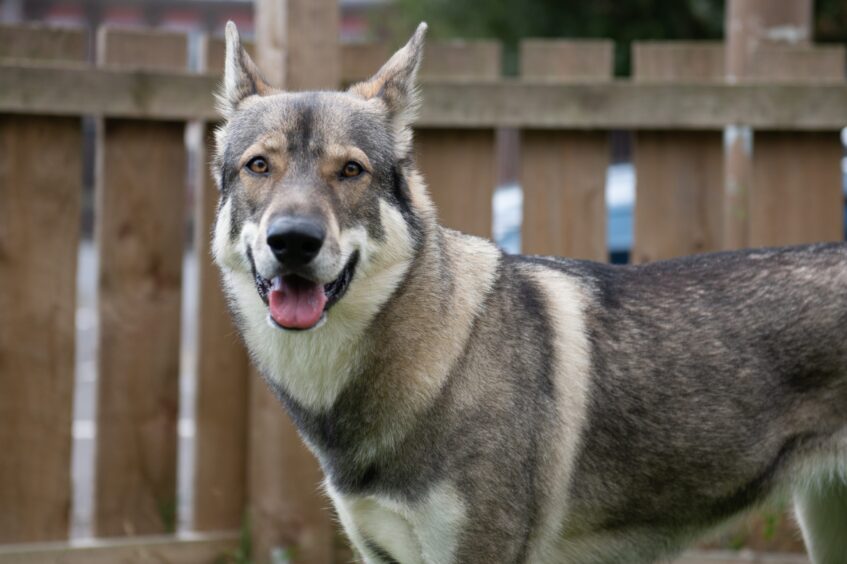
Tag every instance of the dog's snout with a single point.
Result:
(295, 241)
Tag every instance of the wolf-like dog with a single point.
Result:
(471, 406)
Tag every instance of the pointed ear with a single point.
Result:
(396, 85)
(241, 76)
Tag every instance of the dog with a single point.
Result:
(471, 406)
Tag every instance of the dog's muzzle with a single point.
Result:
(296, 303)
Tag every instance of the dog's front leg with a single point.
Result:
(444, 527)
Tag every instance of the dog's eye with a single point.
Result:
(258, 165)
(351, 170)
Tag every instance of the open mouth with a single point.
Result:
(296, 303)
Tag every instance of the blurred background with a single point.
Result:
(145, 322)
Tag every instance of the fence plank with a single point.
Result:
(218, 547)
(71, 90)
(40, 194)
(563, 173)
(220, 462)
(459, 165)
(678, 207)
(359, 61)
(796, 194)
(579, 60)
(42, 43)
(287, 508)
(140, 231)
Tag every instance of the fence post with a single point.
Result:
(750, 25)
(141, 196)
(220, 461)
(563, 173)
(297, 48)
(40, 194)
(678, 204)
(459, 165)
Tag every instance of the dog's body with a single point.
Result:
(471, 406)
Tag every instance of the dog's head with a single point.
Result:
(317, 189)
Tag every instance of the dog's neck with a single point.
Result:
(399, 365)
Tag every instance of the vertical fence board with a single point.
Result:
(43, 43)
(140, 232)
(563, 173)
(678, 205)
(360, 61)
(459, 165)
(40, 195)
(220, 466)
(796, 194)
(297, 48)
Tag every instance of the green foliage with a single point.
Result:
(167, 513)
(623, 21)
(831, 21)
(244, 553)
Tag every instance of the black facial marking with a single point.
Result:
(229, 172)
(262, 285)
(300, 139)
(401, 192)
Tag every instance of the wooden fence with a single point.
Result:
(564, 103)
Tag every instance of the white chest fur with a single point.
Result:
(423, 532)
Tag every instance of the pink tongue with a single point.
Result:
(297, 303)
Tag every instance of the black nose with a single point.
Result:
(295, 241)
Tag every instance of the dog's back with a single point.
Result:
(715, 378)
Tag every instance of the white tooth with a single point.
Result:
(276, 283)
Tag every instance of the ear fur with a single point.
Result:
(241, 76)
(395, 84)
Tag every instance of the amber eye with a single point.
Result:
(258, 165)
(351, 170)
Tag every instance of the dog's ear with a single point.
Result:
(395, 84)
(241, 76)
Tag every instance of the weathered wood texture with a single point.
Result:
(459, 165)
(678, 204)
(796, 196)
(42, 43)
(40, 192)
(220, 448)
(751, 26)
(740, 557)
(563, 173)
(361, 60)
(140, 229)
(297, 48)
(821, 64)
(678, 61)
(796, 191)
(205, 549)
(72, 90)
(216, 548)
(590, 60)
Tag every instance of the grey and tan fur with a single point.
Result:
(471, 406)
